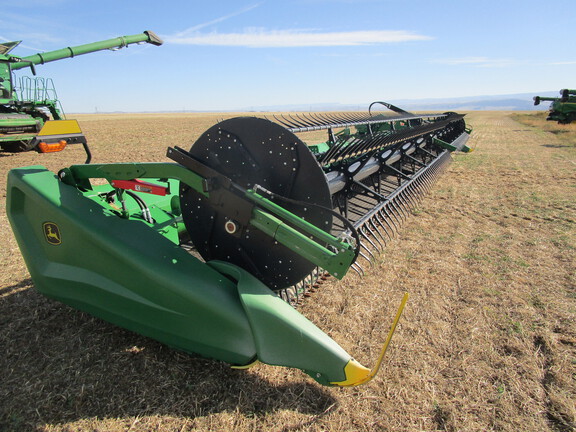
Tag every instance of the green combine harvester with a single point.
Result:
(209, 252)
(562, 109)
(31, 117)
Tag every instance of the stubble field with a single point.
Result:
(487, 341)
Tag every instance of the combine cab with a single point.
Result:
(208, 253)
(31, 117)
(562, 109)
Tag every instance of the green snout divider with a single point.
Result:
(284, 337)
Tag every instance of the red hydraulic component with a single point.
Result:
(141, 186)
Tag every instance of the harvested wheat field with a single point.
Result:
(487, 341)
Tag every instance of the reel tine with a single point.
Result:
(364, 237)
(412, 196)
(366, 145)
(328, 157)
(405, 198)
(403, 203)
(283, 121)
(341, 152)
(427, 182)
(357, 147)
(287, 121)
(373, 235)
(401, 199)
(316, 120)
(384, 224)
(369, 239)
(331, 120)
(398, 210)
(299, 123)
(363, 255)
(353, 149)
(376, 229)
(358, 269)
(283, 295)
(392, 216)
(303, 122)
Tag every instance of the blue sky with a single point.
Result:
(226, 55)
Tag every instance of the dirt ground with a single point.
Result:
(487, 341)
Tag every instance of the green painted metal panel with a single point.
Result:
(20, 137)
(123, 271)
(284, 337)
(444, 145)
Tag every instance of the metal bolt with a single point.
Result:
(230, 227)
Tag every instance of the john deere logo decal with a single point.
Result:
(52, 233)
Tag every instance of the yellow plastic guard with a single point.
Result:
(248, 366)
(60, 127)
(357, 374)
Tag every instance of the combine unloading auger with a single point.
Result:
(199, 253)
(562, 109)
(31, 116)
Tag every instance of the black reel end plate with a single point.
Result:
(253, 151)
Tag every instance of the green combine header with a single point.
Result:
(210, 251)
(31, 117)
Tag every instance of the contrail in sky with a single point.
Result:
(197, 27)
(260, 38)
